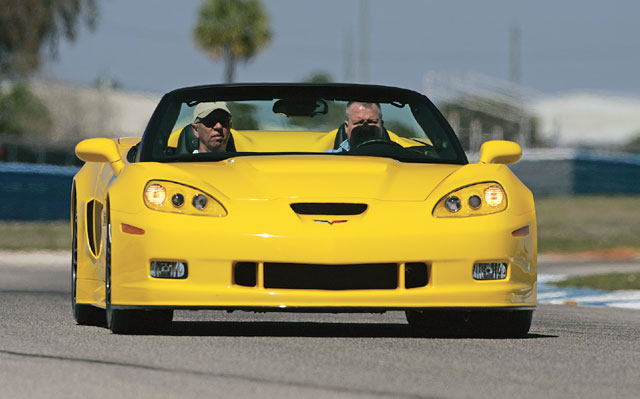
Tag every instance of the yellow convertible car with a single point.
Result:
(302, 197)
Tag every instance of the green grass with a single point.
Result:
(35, 235)
(565, 224)
(580, 223)
(609, 282)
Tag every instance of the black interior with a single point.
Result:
(132, 153)
(341, 136)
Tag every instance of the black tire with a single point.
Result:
(86, 315)
(502, 324)
(127, 321)
(438, 323)
(486, 324)
(118, 321)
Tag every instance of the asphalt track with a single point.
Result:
(571, 352)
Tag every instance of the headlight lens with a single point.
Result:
(199, 202)
(475, 200)
(155, 194)
(168, 196)
(494, 196)
(177, 200)
(453, 204)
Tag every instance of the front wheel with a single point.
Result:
(503, 324)
(438, 323)
(125, 321)
(85, 315)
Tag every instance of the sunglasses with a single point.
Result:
(366, 122)
(212, 120)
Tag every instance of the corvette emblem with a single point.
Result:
(329, 222)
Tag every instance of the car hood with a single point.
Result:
(312, 177)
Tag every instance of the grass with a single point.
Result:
(565, 224)
(609, 282)
(581, 223)
(35, 235)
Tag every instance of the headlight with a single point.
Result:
(475, 200)
(172, 197)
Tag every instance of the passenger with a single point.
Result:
(359, 114)
(211, 125)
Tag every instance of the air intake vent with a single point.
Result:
(328, 208)
(369, 276)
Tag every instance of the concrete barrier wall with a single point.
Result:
(35, 192)
(569, 172)
(605, 173)
(544, 178)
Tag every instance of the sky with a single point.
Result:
(566, 45)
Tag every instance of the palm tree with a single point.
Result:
(232, 29)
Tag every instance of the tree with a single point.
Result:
(232, 29)
(21, 113)
(27, 27)
(318, 76)
(633, 145)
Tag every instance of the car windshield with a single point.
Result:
(296, 119)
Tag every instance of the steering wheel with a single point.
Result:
(376, 141)
(426, 150)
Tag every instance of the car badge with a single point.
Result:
(330, 222)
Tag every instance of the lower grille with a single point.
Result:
(416, 274)
(331, 277)
(245, 274)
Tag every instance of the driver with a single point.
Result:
(359, 114)
(211, 125)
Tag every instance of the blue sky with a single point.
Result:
(147, 45)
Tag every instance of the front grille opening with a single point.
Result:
(331, 277)
(245, 274)
(328, 208)
(416, 274)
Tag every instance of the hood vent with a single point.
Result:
(328, 208)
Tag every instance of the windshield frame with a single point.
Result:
(162, 116)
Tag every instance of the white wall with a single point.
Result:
(79, 112)
(587, 118)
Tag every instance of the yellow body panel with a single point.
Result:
(257, 192)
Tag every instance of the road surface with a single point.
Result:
(571, 352)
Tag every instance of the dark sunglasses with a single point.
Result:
(212, 120)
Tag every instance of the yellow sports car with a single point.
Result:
(302, 197)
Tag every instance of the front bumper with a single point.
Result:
(212, 246)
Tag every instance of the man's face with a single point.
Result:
(360, 115)
(213, 131)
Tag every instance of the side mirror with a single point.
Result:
(100, 150)
(500, 151)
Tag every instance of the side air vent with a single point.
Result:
(328, 208)
(94, 226)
